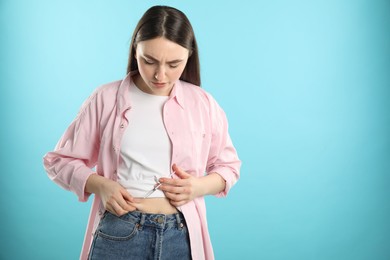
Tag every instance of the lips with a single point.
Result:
(159, 84)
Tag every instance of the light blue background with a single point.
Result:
(305, 85)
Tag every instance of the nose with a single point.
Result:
(160, 73)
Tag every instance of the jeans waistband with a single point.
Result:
(155, 220)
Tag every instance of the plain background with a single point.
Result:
(305, 85)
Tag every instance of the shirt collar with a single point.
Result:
(177, 93)
(123, 93)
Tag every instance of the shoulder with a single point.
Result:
(197, 94)
(103, 97)
(199, 100)
(190, 88)
(106, 93)
(108, 89)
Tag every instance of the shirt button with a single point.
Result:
(122, 125)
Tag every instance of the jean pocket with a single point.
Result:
(115, 228)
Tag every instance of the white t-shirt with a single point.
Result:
(146, 147)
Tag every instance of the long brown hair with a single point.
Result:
(172, 24)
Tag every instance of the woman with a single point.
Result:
(152, 137)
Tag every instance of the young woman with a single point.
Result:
(159, 142)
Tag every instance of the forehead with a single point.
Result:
(161, 48)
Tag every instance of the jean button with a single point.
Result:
(160, 220)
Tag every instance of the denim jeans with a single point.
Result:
(137, 235)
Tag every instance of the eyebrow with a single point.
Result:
(170, 62)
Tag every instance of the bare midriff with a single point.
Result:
(156, 206)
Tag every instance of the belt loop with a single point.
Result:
(142, 221)
(180, 224)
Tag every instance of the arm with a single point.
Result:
(222, 158)
(76, 153)
(188, 187)
(222, 166)
(70, 164)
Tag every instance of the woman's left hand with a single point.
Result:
(182, 190)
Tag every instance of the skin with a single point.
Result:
(160, 63)
(188, 187)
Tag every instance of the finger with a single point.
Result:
(136, 200)
(131, 207)
(120, 205)
(115, 209)
(173, 182)
(180, 172)
(128, 203)
(174, 189)
(178, 203)
(126, 195)
(176, 197)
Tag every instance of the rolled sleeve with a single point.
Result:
(228, 170)
(71, 162)
(223, 158)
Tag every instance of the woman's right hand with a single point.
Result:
(114, 197)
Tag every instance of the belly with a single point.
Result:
(156, 206)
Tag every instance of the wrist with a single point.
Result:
(94, 183)
(212, 184)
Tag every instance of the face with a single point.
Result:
(160, 64)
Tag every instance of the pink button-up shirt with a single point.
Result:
(197, 128)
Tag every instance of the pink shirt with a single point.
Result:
(196, 125)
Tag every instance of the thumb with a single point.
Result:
(126, 195)
(179, 172)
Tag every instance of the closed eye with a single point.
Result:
(149, 62)
(173, 65)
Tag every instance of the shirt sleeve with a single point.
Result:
(223, 158)
(76, 153)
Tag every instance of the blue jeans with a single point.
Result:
(137, 235)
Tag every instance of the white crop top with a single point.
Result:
(146, 148)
